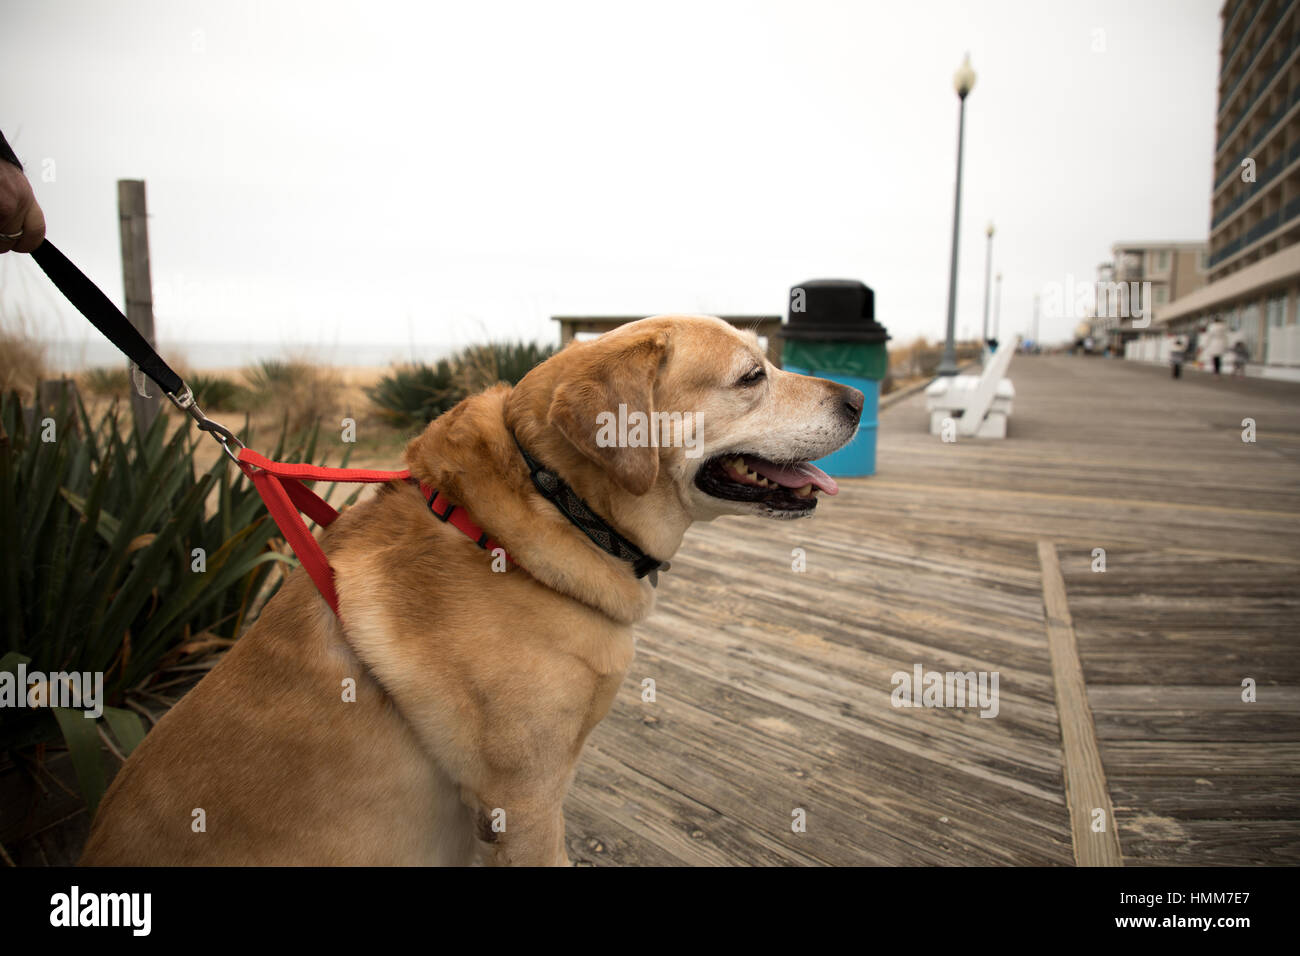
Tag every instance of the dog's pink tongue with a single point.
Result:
(793, 476)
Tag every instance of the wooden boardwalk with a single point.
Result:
(772, 687)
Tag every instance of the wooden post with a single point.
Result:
(137, 285)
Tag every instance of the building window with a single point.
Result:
(1161, 295)
(1162, 261)
(1200, 260)
(1277, 311)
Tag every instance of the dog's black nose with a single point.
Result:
(853, 401)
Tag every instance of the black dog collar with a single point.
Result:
(557, 491)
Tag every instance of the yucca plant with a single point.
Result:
(411, 396)
(114, 551)
(485, 365)
(215, 392)
(106, 381)
(301, 391)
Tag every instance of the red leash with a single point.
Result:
(281, 486)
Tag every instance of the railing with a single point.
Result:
(1262, 228)
(1254, 54)
(1284, 59)
(1264, 83)
(1270, 173)
(1126, 272)
(1268, 224)
(1244, 33)
(1228, 250)
(1228, 210)
(1269, 124)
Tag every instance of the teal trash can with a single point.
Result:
(831, 332)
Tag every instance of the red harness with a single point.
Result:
(281, 486)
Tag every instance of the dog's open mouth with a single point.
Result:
(789, 487)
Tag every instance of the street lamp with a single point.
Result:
(997, 306)
(963, 82)
(988, 268)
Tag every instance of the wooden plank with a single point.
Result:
(1192, 799)
(1152, 840)
(1191, 698)
(1196, 726)
(1207, 759)
(1085, 781)
(864, 796)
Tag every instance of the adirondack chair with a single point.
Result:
(980, 404)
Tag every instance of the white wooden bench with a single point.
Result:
(980, 404)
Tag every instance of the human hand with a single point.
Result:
(22, 224)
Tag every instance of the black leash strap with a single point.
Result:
(108, 318)
(105, 316)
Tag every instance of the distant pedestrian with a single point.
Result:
(1216, 343)
(1177, 354)
(1240, 353)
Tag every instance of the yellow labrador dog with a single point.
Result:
(439, 719)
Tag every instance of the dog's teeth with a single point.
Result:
(803, 492)
(764, 483)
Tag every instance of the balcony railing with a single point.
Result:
(1269, 124)
(1249, 61)
(1241, 36)
(1228, 250)
(1270, 223)
(1283, 59)
(1269, 174)
(1263, 228)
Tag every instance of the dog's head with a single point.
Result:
(684, 412)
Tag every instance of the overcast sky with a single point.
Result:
(326, 174)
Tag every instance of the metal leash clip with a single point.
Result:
(185, 402)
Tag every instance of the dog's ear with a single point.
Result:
(585, 405)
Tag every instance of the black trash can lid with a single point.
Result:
(842, 310)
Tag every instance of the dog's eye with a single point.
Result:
(754, 376)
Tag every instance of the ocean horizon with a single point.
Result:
(62, 355)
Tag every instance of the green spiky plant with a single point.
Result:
(484, 365)
(413, 395)
(106, 381)
(216, 392)
(98, 568)
(303, 392)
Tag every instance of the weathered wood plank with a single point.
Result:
(1085, 780)
(1189, 799)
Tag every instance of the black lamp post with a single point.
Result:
(963, 81)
